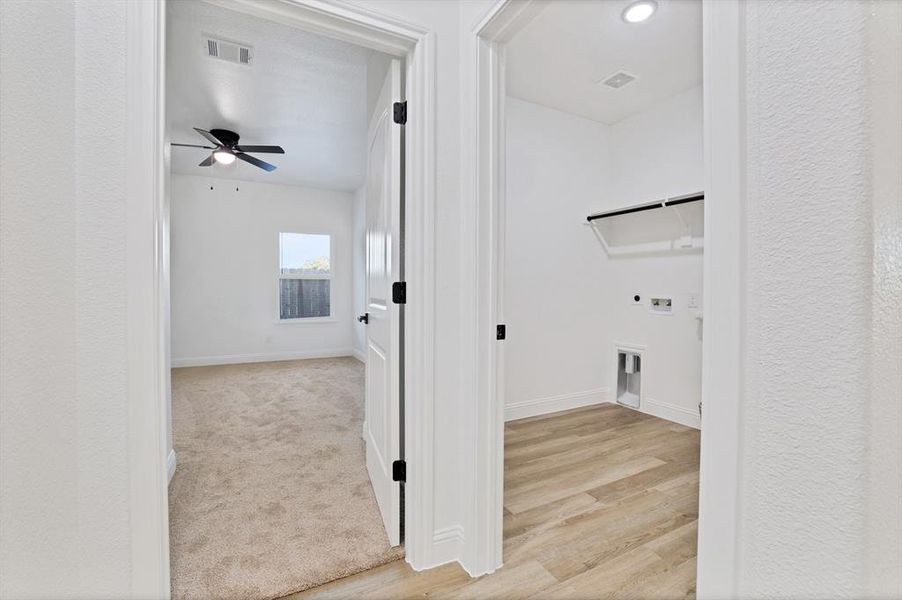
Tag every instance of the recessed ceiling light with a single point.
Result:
(224, 157)
(639, 11)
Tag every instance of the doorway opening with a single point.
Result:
(593, 191)
(285, 219)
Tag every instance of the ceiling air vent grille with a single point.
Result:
(230, 51)
(618, 80)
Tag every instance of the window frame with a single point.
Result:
(280, 276)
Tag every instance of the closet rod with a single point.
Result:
(642, 207)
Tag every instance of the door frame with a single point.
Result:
(147, 208)
(722, 382)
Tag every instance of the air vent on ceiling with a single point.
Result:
(231, 51)
(618, 80)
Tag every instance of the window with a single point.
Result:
(305, 275)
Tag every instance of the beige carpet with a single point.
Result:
(271, 494)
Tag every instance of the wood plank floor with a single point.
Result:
(599, 502)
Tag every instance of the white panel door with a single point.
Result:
(382, 426)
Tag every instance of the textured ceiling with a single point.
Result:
(303, 92)
(560, 58)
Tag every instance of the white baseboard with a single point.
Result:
(447, 545)
(359, 355)
(234, 359)
(551, 404)
(671, 412)
(170, 464)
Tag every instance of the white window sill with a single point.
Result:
(307, 320)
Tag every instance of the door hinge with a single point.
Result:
(400, 110)
(500, 331)
(399, 470)
(399, 292)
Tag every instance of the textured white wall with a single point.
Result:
(805, 510)
(64, 478)
(566, 301)
(225, 265)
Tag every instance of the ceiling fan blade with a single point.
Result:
(255, 161)
(192, 146)
(210, 137)
(261, 149)
(207, 162)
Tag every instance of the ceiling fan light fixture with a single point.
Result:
(640, 11)
(224, 157)
(226, 149)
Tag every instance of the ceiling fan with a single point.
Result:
(226, 149)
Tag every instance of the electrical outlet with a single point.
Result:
(692, 300)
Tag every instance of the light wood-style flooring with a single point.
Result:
(599, 502)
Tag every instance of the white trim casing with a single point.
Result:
(146, 280)
(419, 312)
(447, 543)
(484, 221)
(484, 552)
(724, 274)
(338, 20)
